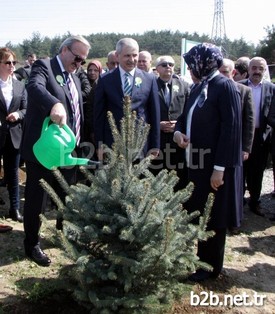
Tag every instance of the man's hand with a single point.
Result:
(154, 152)
(216, 179)
(181, 139)
(58, 114)
(167, 126)
(245, 156)
(12, 117)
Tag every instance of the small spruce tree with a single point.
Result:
(127, 231)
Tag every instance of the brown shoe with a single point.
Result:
(5, 228)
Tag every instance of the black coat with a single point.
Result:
(215, 140)
(45, 90)
(18, 104)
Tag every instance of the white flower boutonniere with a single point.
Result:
(60, 80)
(138, 82)
(176, 88)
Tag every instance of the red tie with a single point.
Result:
(75, 108)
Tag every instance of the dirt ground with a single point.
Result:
(248, 275)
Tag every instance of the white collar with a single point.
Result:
(132, 72)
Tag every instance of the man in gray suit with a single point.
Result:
(263, 93)
(173, 94)
(50, 94)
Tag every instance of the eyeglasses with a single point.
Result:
(9, 62)
(165, 64)
(77, 58)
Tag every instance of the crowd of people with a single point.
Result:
(215, 131)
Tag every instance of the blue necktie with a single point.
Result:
(127, 84)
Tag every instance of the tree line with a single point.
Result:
(163, 42)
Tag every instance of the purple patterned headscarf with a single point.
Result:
(203, 59)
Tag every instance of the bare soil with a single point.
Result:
(249, 269)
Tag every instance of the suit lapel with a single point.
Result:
(265, 93)
(117, 81)
(137, 86)
(174, 89)
(15, 91)
(57, 72)
(160, 91)
(2, 100)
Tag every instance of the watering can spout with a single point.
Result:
(55, 145)
(72, 161)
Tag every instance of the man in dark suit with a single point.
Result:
(271, 122)
(263, 95)
(110, 92)
(248, 117)
(209, 129)
(23, 73)
(50, 89)
(173, 94)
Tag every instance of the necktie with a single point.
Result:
(75, 107)
(167, 94)
(127, 84)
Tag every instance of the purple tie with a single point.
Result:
(75, 107)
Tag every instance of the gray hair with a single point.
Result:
(111, 54)
(146, 54)
(162, 59)
(68, 42)
(129, 42)
(228, 63)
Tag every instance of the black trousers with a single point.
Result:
(254, 167)
(211, 251)
(11, 157)
(35, 198)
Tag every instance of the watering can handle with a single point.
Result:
(45, 124)
(65, 127)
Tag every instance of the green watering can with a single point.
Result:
(55, 145)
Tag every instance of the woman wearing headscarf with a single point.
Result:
(210, 131)
(94, 70)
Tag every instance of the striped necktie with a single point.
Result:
(127, 84)
(75, 107)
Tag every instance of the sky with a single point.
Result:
(242, 19)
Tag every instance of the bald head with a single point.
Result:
(228, 68)
(144, 60)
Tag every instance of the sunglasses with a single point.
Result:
(165, 64)
(9, 62)
(77, 58)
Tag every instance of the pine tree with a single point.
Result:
(127, 231)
